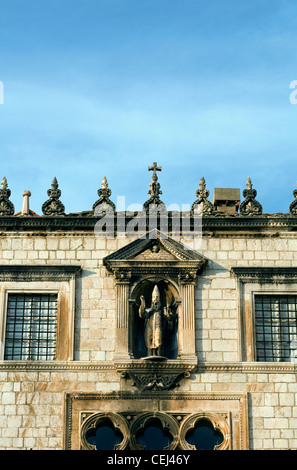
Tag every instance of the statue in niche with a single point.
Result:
(154, 317)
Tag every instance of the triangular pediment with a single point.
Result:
(155, 246)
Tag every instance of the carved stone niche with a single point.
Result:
(155, 265)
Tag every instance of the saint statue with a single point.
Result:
(154, 318)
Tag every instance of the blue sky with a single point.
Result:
(97, 88)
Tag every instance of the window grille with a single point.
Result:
(276, 327)
(31, 325)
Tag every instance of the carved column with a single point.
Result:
(122, 319)
(187, 344)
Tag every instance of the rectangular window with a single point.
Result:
(31, 326)
(276, 327)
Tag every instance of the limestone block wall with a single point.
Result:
(95, 288)
(32, 398)
(217, 322)
(32, 410)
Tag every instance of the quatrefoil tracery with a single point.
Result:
(139, 432)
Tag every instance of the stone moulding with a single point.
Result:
(227, 411)
(210, 223)
(65, 366)
(265, 275)
(23, 273)
(128, 252)
(246, 367)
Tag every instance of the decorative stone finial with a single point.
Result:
(26, 208)
(154, 187)
(202, 202)
(293, 205)
(6, 206)
(104, 193)
(250, 206)
(53, 206)
(249, 185)
(4, 184)
(104, 184)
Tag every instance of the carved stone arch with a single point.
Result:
(170, 296)
(166, 422)
(173, 286)
(219, 422)
(94, 420)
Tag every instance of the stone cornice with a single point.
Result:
(210, 223)
(264, 274)
(68, 366)
(125, 395)
(56, 366)
(249, 367)
(31, 273)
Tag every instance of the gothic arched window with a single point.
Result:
(203, 436)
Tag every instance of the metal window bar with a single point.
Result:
(31, 326)
(276, 327)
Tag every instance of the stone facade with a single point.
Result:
(43, 404)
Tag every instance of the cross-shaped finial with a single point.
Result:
(154, 168)
(154, 190)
